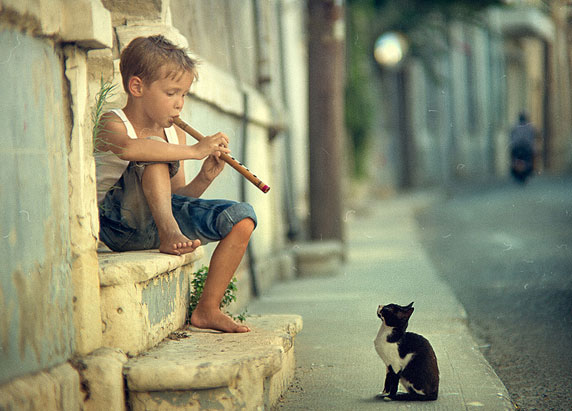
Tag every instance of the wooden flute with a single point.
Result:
(234, 163)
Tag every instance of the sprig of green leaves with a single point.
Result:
(106, 91)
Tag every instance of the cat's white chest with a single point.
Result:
(389, 352)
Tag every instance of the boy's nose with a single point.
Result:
(179, 103)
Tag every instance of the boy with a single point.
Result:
(144, 200)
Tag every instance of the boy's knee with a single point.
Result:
(238, 218)
(244, 227)
(149, 166)
(146, 171)
(153, 168)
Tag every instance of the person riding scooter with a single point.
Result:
(522, 137)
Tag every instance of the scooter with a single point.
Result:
(522, 163)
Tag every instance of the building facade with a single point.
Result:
(55, 54)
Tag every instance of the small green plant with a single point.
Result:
(106, 91)
(198, 284)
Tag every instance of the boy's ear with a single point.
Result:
(135, 86)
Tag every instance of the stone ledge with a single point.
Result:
(56, 389)
(84, 22)
(87, 23)
(318, 258)
(229, 370)
(139, 266)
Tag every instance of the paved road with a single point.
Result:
(506, 251)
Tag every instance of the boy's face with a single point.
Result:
(163, 99)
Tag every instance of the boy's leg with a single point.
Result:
(224, 262)
(157, 189)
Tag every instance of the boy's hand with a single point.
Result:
(212, 167)
(213, 145)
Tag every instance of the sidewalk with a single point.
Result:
(337, 366)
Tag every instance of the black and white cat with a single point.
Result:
(409, 357)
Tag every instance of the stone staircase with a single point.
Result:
(167, 365)
(207, 370)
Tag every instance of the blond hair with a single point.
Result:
(145, 56)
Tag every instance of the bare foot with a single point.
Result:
(177, 244)
(216, 320)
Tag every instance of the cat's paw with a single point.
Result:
(384, 396)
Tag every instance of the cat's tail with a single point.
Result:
(412, 396)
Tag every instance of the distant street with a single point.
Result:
(506, 251)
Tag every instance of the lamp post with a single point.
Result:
(390, 52)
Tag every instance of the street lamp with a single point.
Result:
(390, 49)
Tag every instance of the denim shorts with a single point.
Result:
(126, 223)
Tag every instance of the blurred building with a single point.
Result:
(447, 117)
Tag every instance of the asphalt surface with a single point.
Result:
(506, 252)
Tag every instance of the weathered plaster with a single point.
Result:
(34, 199)
(162, 296)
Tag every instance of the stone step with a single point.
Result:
(318, 258)
(202, 369)
(144, 296)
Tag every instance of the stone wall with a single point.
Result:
(37, 324)
(53, 56)
(49, 291)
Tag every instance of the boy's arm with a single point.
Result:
(210, 169)
(113, 137)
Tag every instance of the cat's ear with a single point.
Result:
(409, 310)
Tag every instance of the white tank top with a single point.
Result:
(109, 167)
